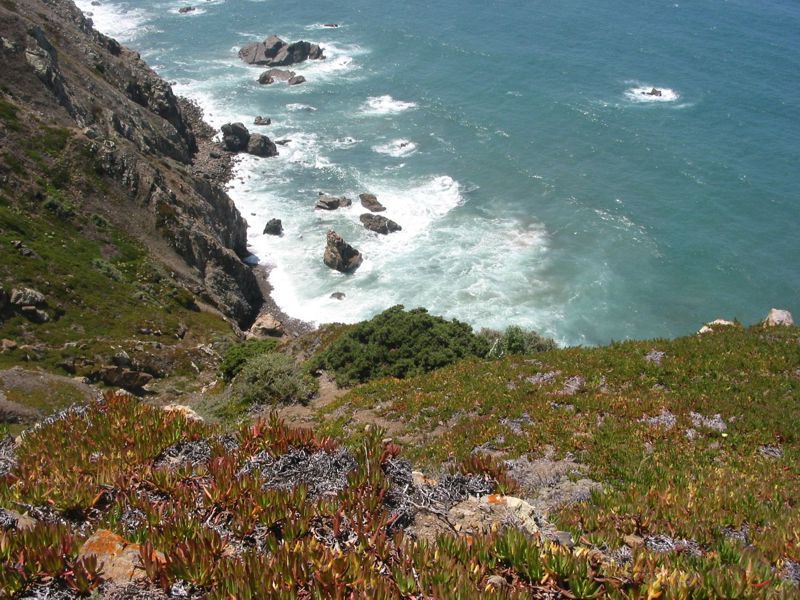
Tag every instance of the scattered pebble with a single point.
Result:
(542, 378)
(665, 543)
(770, 451)
(655, 356)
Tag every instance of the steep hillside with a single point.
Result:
(111, 206)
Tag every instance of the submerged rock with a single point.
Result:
(259, 120)
(340, 255)
(379, 224)
(296, 80)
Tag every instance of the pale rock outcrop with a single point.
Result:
(778, 318)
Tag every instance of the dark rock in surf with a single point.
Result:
(259, 120)
(325, 202)
(379, 224)
(235, 137)
(370, 202)
(274, 227)
(273, 75)
(261, 145)
(340, 255)
(274, 52)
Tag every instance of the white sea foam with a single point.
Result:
(298, 107)
(641, 93)
(385, 105)
(397, 148)
(118, 20)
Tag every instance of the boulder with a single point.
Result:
(186, 9)
(186, 412)
(653, 92)
(325, 202)
(27, 297)
(119, 559)
(379, 224)
(337, 295)
(274, 227)
(266, 325)
(296, 80)
(778, 317)
(7, 345)
(475, 516)
(340, 255)
(274, 52)
(11, 519)
(331, 25)
(261, 145)
(273, 75)
(34, 314)
(124, 378)
(235, 137)
(259, 120)
(370, 202)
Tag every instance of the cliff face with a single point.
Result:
(84, 116)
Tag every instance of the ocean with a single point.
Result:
(534, 181)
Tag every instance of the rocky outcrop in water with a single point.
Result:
(379, 224)
(274, 52)
(370, 202)
(273, 75)
(273, 227)
(325, 202)
(340, 255)
(236, 138)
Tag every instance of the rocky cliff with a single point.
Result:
(85, 121)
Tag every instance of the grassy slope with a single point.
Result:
(657, 481)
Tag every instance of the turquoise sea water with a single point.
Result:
(533, 181)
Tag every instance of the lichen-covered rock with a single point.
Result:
(119, 559)
(27, 297)
(125, 378)
(340, 255)
(778, 318)
(266, 325)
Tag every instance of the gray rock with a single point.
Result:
(259, 120)
(261, 145)
(655, 356)
(273, 75)
(186, 9)
(124, 378)
(340, 255)
(338, 295)
(235, 137)
(325, 202)
(370, 202)
(27, 297)
(379, 224)
(274, 52)
(274, 227)
(296, 80)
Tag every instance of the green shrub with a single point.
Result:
(398, 343)
(515, 340)
(270, 378)
(238, 354)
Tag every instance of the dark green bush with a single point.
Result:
(515, 340)
(270, 378)
(239, 354)
(398, 343)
